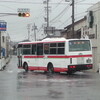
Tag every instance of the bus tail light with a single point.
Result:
(72, 66)
(89, 66)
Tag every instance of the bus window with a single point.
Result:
(40, 49)
(53, 48)
(61, 48)
(53, 44)
(26, 49)
(61, 44)
(27, 46)
(19, 46)
(53, 51)
(34, 49)
(46, 48)
(79, 45)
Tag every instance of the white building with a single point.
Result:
(94, 32)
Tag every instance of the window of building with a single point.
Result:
(3, 39)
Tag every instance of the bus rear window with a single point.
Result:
(79, 45)
(19, 45)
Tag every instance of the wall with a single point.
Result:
(94, 34)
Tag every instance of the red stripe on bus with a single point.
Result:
(33, 56)
(60, 69)
(71, 56)
(56, 69)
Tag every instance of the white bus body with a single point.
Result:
(55, 54)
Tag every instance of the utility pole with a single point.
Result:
(47, 8)
(73, 35)
(34, 28)
(28, 27)
(47, 18)
(72, 4)
(47, 13)
(0, 44)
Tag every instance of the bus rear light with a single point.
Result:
(89, 65)
(72, 66)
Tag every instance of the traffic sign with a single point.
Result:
(3, 26)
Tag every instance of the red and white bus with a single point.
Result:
(55, 55)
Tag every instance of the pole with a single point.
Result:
(28, 27)
(47, 18)
(35, 31)
(0, 44)
(47, 13)
(73, 19)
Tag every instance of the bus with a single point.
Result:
(55, 55)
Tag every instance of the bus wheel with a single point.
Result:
(70, 72)
(26, 67)
(50, 69)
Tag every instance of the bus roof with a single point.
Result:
(50, 40)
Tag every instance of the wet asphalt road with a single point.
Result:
(15, 84)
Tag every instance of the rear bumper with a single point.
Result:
(80, 67)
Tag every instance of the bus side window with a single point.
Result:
(27, 49)
(61, 48)
(34, 49)
(40, 49)
(46, 48)
(53, 48)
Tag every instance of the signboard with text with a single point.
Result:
(3, 26)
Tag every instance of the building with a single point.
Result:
(88, 26)
(93, 23)
(80, 29)
(52, 32)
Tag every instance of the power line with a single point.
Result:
(58, 4)
(7, 7)
(65, 22)
(85, 4)
(60, 13)
(60, 17)
(80, 1)
(30, 2)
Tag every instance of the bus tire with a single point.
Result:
(50, 68)
(70, 72)
(26, 67)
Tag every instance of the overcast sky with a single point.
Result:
(60, 15)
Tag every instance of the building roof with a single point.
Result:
(77, 22)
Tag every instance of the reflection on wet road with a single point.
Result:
(15, 84)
